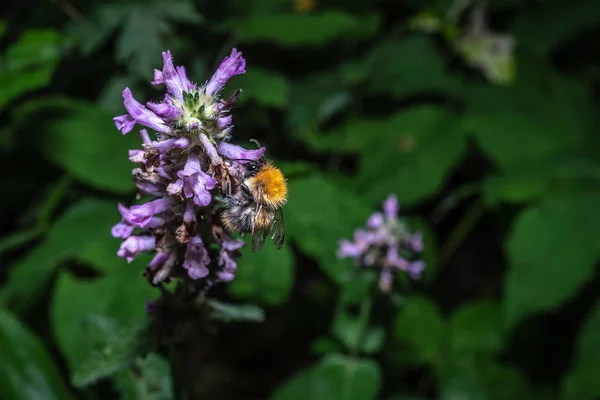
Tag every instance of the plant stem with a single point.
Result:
(363, 322)
(461, 231)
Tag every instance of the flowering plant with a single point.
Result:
(184, 169)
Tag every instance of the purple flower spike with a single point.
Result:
(196, 259)
(230, 66)
(385, 244)
(142, 115)
(135, 244)
(234, 152)
(184, 154)
(141, 215)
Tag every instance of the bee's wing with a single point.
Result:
(258, 239)
(277, 230)
(258, 234)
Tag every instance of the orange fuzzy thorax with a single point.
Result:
(269, 183)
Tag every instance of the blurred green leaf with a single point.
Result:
(410, 154)
(82, 142)
(317, 215)
(265, 276)
(581, 382)
(236, 312)
(266, 88)
(476, 330)
(148, 379)
(118, 352)
(81, 229)
(324, 345)
(335, 377)
(486, 380)
(26, 369)
(500, 117)
(556, 173)
(552, 250)
(98, 26)
(407, 67)
(303, 29)
(420, 328)
(120, 296)
(28, 64)
(532, 27)
(348, 330)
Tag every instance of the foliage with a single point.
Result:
(491, 149)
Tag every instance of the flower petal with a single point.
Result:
(232, 65)
(124, 123)
(234, 152)
(142, 115)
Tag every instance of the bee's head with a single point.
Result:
(252, 167)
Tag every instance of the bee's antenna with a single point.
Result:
(256, 142)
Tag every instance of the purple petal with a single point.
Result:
(232, 65)
(165, 109)
(192, 166)
(234, 152)
(124, 123)
(141, 215)
(415, 269)
(232, 244)
(122, 230)
(137, 156)
(170, 76)
(210, 149)
(185, 82)
(158, 260)
(196, 259)
(158, 78)
(142, 115)
(225, 276)
(390, 207)
(149, 188)
(416, 242)
(227, 261)
(134, 244)
(348, 249)
(224, 122)
(169, 144)
(189, 215)
(386, 278)
(175, 187)
(145, 136)
(375, 221)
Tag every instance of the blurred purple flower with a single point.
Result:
(386, 244)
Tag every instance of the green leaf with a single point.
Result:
(83, 142)
(532, 27)
(266, 88)
(28, 64)
(148, 379)
(476, 329)
(119, 296)
(486, 380)
(335, 377)
(348, 330)
(121, 348)
(236, 312)
(317, 215)
(557, 173)
(265, 276)
(26, 369)
(410, 154)
(499, 117)
(539, 281)
(83, 229)
(407, 67)
(304, 29)
(581, 382)
(420, 328)
(98, 26)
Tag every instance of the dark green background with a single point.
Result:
(492, 150)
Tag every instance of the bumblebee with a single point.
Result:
(255, 207)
